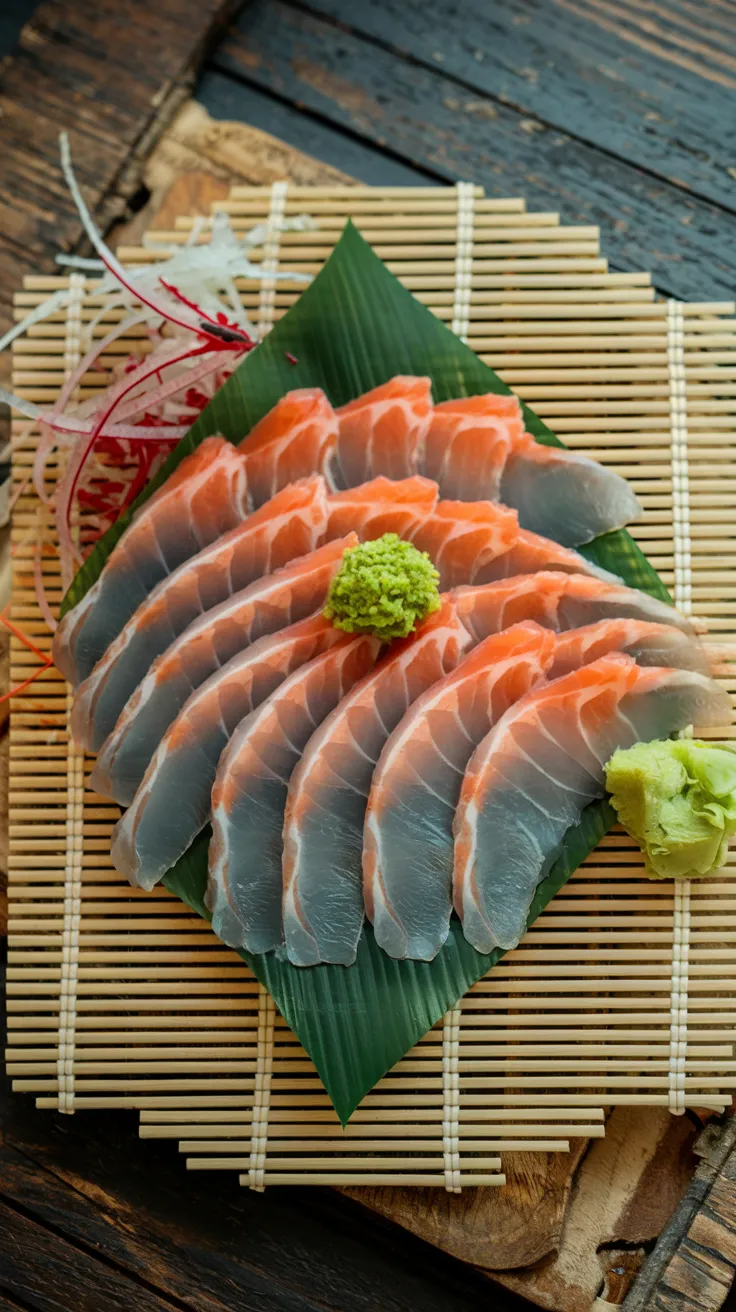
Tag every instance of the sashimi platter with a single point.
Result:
(371, 663)
(353, 775)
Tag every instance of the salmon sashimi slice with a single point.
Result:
(561, 602)
(533, 774)
(287, 526)
(407, 840)
(173, 802)
(249, 797)
(564, 495)
(529, 552)
(382, 505)
(275, 602)
(468, 444)
(296, 438)
(383, 431)
(649, 644)
(205, 497)
(328, 792)
(462, 537)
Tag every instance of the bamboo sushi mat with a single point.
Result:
(624, 991)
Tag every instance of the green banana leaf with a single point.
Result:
(355, 327)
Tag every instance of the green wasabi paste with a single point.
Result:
(678, 800)
(384, 587)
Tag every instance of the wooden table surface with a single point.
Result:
(615, 112)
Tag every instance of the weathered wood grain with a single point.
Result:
(321, 136)
(422, 117)
(624, 1192)
(52, 1274)
(693, 1264)
(111, 74)
(648, 82)
(500, 1229)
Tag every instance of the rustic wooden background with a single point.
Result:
(615, 112)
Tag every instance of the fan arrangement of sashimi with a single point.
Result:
(344, 777)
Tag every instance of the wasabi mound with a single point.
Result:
(678, 800)
(384, 587)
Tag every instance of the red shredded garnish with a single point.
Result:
(46, 661)
(291, 358)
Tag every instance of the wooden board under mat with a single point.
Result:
(624, 990)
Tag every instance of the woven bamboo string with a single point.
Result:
(463, 259)
(262, 1100)
(450, 1026)
(270, 258)
(451, 1089)
(75, 811)
(683, 599)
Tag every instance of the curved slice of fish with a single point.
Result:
(564, 495)
(328, 792)
(174, 800)
(205, 497)
(468, 444)
(529, 552)
(249, 796)
(650, 644)
(408, 850)
(296, 438)
(383, 431)
(271, 603)
(461, 537)
(382, 505)
(531, 777)
(560, 601)
(289, 525)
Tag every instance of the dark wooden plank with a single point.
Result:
(225, 98)
(692, 1266)
(651, 82)
(49, 1274)
(645, 222)
(111, 74)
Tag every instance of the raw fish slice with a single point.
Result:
(249, 796)
(529, 553)
(288, 525)
(649, 644)
(383, 431)
(382, 506)
(204, 498)
(328, 792)
(296, 438)
(468, 444)
(559, 601)
(564, 495)
(408, 849)
(461, 537)
(173, 802)
(531, 777)
(269, 604)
